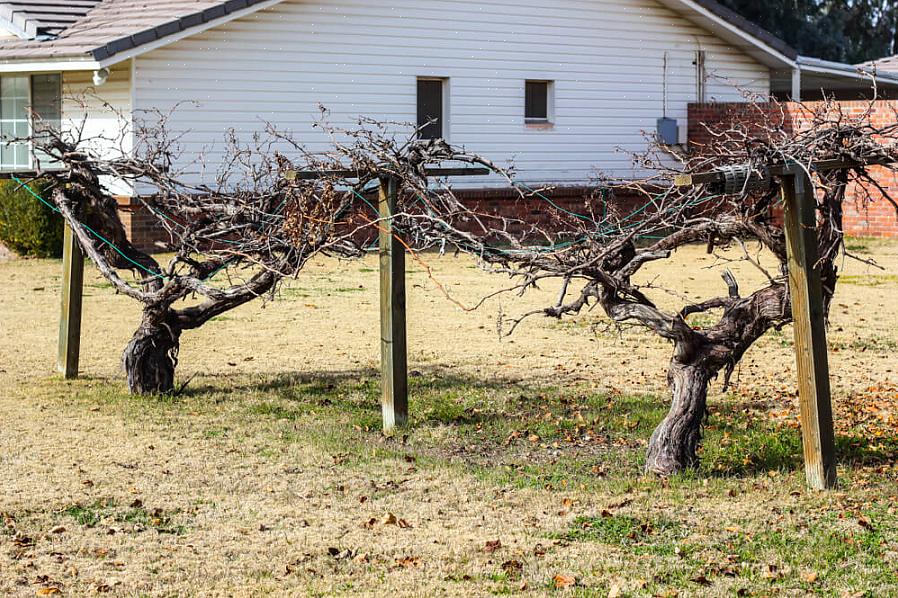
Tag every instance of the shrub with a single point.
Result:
(27, 226)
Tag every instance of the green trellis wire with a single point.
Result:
(542, 249)
(112, 245)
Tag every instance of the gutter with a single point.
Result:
(839, 69)
(50, 65)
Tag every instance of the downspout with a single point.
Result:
(796, 83)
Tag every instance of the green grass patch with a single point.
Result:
(106, 511)
(646, 535)
(90, 515)
(869, 280)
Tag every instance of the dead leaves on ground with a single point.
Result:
(492, 546)
(387, 520)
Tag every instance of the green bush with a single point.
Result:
(27, 226)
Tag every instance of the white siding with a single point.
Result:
(100, 115)
(363, 58)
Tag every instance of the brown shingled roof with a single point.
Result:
(45, 18)
(113, 26)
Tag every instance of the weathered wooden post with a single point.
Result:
(394, 357)
(806, 295)
(70, 312)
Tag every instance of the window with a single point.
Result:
(14, 97)
(432, 108)
(42, 95)
(538, 102)
(46, 104)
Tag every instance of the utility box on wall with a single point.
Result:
(668, 131)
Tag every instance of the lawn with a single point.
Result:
(520, 471)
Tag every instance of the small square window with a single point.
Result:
(538, 102)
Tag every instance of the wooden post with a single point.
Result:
(806, 294)
(394, 360)
(70, 316)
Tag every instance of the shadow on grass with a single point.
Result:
(435, 398)
(736, 445)
(524, 425)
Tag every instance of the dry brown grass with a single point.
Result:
(245, 490)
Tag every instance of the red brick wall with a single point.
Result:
(874, 218)
(142, 228)
(551, 216)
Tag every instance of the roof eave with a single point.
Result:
(838, 69)
(761, 45)
(80, 62)
(708, 14)
(173, 31)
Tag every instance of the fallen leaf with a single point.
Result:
(564, 581)
(513, 569)
(23, 541)
(340, 555)
(389, 519)
(409, 562)
(48, 591)
(809, 577)
(58, 529)
(492, 546)
(701, 580)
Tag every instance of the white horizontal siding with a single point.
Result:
(363, 58)
(100, 116)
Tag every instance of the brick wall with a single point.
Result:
(146, 234)
(874, 218)
(143, 229)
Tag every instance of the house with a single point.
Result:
(564, 88)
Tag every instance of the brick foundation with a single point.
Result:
(874, 218)
(146, 234)
(142, 227)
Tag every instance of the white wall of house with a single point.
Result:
(363, 58)
(101, 114)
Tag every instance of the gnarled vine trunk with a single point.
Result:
(673, 445)
(151, 356)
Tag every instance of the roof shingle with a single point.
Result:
(112, 26)
(45, 18)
